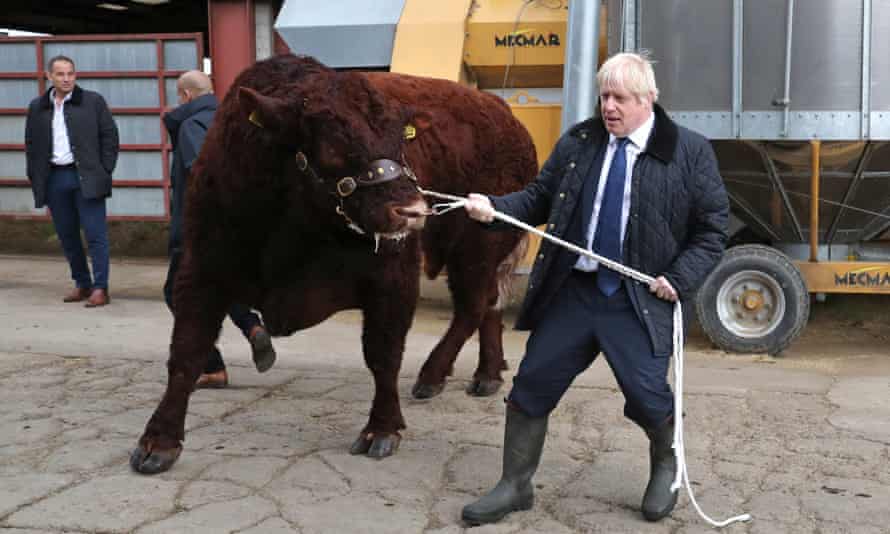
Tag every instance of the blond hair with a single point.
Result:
(630, 71)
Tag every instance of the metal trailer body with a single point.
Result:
(796, 99)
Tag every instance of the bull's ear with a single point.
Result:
(263, 111)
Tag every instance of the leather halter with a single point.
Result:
(378, 172)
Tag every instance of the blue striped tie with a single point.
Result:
(607, 239)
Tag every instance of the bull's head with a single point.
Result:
(347, 139)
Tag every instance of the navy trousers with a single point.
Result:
(241, 315)
(582, 322)
(70, 212)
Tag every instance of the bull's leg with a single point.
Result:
(388, 314)
(474, 292)
(487, 378)
(380, 437)
(479, 267)
(200, 310)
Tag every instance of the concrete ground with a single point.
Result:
(802, 442)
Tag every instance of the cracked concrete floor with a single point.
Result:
(801, 442)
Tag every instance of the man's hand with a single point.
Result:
(479, 208)
(663, 289)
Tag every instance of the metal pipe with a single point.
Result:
(816, 163)
(622, 23)
(738, 10)
(631, 21)
(580, 94)
(786, 99)
(866, 69)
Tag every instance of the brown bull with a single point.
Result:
(303, 203)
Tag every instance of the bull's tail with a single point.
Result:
(506, 270)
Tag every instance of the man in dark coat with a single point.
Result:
(632, 186)
(188, 125)
(71, 145)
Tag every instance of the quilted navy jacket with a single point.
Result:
(677, 226)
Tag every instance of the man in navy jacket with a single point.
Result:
(188, 125)
(633, 186)
(71, 147)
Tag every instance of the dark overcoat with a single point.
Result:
(92, 134)
(187, 126)
(677, 226)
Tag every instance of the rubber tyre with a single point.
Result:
(766, 279)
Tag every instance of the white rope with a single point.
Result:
(681, 477)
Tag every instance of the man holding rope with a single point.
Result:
(636, 188)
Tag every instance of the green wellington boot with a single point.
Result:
(659, 500)
(523, 443)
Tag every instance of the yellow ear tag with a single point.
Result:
(254, 119)
(410, 132)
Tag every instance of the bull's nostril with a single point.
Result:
(410, 213)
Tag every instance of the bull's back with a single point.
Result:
(434, 92)
(471, 139)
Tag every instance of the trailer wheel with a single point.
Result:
(755, 300)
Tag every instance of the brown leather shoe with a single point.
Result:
(77, 294)
(217, 380)
(99, 297)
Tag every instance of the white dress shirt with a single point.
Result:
(61, 147)
(638, 139)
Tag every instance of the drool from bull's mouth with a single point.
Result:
(391, 236)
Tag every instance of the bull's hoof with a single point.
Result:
(426, 391)
(154, 461)
(484, 387)
(376, 446)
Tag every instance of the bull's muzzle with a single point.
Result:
(413, 214)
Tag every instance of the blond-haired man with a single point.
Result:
(635, 187)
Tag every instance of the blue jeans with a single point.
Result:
(70, 212)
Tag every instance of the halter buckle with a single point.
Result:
(302, 162)
(346, 186)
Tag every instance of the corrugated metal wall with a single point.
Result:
(136, 74)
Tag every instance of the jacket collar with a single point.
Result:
(76, 97)
(174, 118)
(662, 141)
